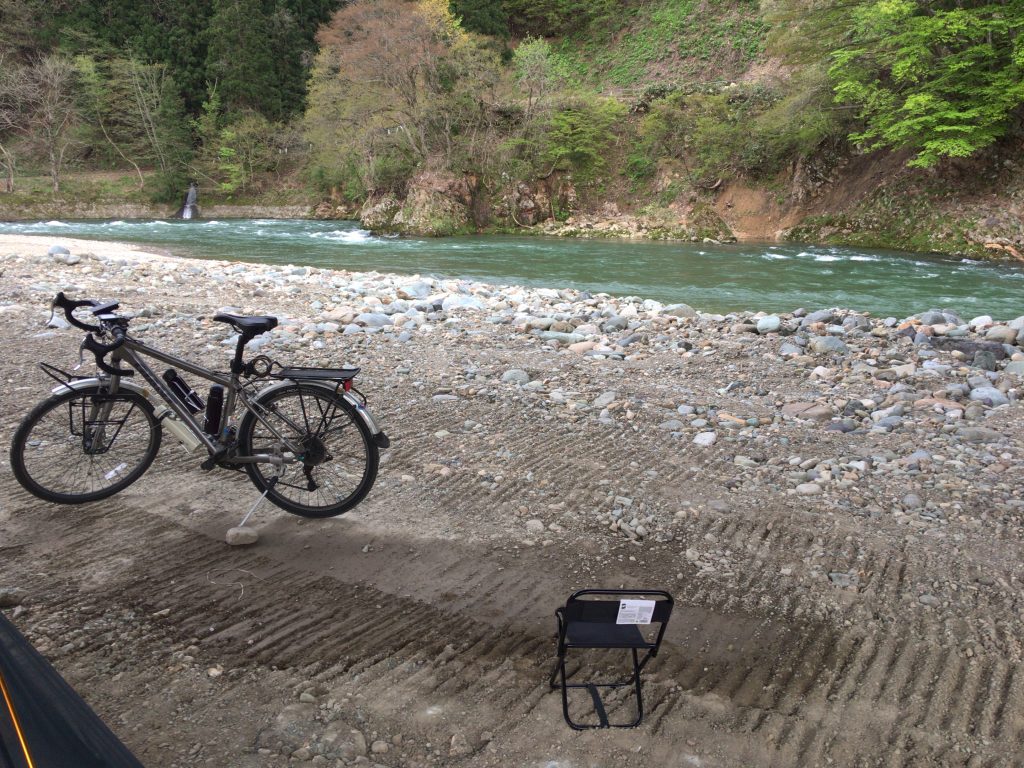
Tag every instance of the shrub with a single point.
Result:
(578, 136)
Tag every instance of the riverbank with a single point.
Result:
(710, 277)
(874, 202)
(832, 498)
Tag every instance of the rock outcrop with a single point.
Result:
(436, 204)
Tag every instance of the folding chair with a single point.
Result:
(610, 618)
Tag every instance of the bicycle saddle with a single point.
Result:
(252, 325)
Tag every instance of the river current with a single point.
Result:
(714, 278)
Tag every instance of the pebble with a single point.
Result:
(979, 435)
(459, 746)
(821, 345)
(1002, 334)
(844, 580)
(705, 439)
(769, 324)
(989, 396)
(515, 376)
(912, 502)
(241, 536)
(809, 489)
(11, 597)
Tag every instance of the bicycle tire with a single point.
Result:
(55, 463)
(339, 466)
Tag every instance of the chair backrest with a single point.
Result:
(603, 606)
(587, 604)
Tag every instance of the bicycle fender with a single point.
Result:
(367, 417)
(361, 410)
(77, 384)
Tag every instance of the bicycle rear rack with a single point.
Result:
(60, 375)
(315, 374)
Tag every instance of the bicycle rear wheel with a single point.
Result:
(85, 445)
(338, 459)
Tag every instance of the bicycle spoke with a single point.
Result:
(336, 454)
(83, 445)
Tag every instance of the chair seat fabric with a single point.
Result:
(596, 635)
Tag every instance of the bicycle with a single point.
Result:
(306, 440)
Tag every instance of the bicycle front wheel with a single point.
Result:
(85, 445)
(336, 459)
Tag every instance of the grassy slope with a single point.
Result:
(704, 44)
(668, 42)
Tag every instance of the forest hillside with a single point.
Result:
(878, 122)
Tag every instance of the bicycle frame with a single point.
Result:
(132, 352)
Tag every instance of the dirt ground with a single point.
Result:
(418, 630)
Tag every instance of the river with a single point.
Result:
(715, 278)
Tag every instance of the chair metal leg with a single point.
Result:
(554, 673)
(592, 688)
(639, 692)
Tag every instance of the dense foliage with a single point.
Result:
(253, 48)
(943, 78)
(356, 97)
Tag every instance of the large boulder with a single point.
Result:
(541, 200)
(436, 205)
(378, 213)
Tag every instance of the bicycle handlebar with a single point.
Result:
(69, 306)
(98, 349)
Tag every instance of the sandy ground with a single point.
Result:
(851, 627)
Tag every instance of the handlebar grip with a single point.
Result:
(69, 306)
(100, 351)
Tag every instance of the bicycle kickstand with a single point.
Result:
(270, 484)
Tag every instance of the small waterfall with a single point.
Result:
(190, 210)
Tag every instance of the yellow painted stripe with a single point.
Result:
(17, 725)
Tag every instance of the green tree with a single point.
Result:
(540, 72)
(579, 136)
(241, 57)
(397, 86)
(20, 37)
(245, 149)
(488, 17)
(556, 17)
(272, 39)
(942, 78)
(108, 106)
(160, 112)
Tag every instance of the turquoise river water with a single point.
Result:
(715, 278)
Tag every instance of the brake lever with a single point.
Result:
(81, 354)
(99, 351)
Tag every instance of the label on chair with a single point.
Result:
(635, 611)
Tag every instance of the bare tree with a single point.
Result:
(48, 113)
(11, 108)
(389, 56)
